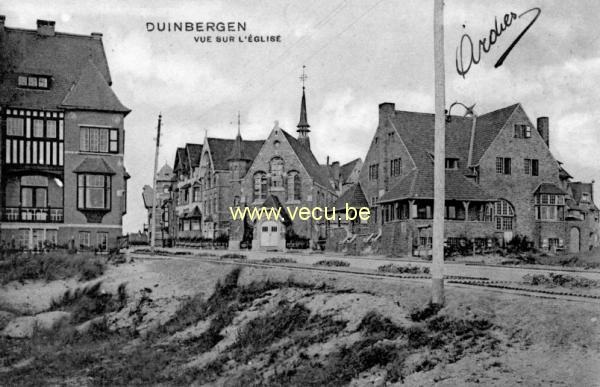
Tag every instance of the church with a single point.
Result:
(280, 171)
(284, 173)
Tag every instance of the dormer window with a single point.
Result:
(451, 163)
(585, 197)
(33, 82)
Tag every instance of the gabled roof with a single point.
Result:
(562, 172)
(181, 160)
(63, 57)
(220, 149)
(165, 173)
(353, 196)
(578, 188)
(346, 169)
(417, 132)
(488, 127)
(94, 165)
(194, 152)
(308, 160)
(91, 92)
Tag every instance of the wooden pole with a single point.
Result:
(437, 267)
(153, 226)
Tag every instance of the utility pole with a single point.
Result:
(153, 226)
(439, 172)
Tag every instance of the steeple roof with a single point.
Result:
(303, 124)
(237, 150)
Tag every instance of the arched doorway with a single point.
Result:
(504, 214)
(574, 240)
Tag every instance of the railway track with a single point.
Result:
(482, 283)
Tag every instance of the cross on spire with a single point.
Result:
(303, 77)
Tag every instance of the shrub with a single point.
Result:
(391, 268)
(563, 280)
(52, 266)
(428, 311)
(374, 324)
(279, 260)
(90, 301)
(331, 262)
(233, 256)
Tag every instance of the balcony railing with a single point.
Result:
(33, 214)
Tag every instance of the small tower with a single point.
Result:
(303, 124)
(238, 160)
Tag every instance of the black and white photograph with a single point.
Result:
(299, 193)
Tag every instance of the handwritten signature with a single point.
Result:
(466, 55)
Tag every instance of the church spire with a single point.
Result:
(237, 150)
(303, 124)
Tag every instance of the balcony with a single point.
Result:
(33, 214)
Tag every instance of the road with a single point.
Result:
(493, 273)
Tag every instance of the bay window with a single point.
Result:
(549, 207)
(93, 192)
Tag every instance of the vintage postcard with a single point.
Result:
(299, 193)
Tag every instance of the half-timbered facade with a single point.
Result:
(62, 175)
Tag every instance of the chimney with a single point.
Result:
(2, 20)
(327, 160)
(335, 166)
(386, 110)
(543, 127)
(97, 35)
(45, 27)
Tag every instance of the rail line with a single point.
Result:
(457, 281)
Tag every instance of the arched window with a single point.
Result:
(276, 170)
(260, 185)
(504, 213)
(293, 186)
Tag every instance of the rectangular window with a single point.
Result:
(93, 191)
(114, 140)
(15, 126)
(84, 239)
(450, 212)
(451, 163)
(535, 165)
(43, 82)
(396, 167)
(527, 166)
(32, 82)
(522, 131)
(22, 81)
(374, 172)
(499, 165)
(102, 241)
(507, 165)
(51, 129)
(102, 140)
(38, 128)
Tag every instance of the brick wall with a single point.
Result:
(517, 187)
(381, 151)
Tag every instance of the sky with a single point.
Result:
(357, 53)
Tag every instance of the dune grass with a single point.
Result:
(51, 266)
